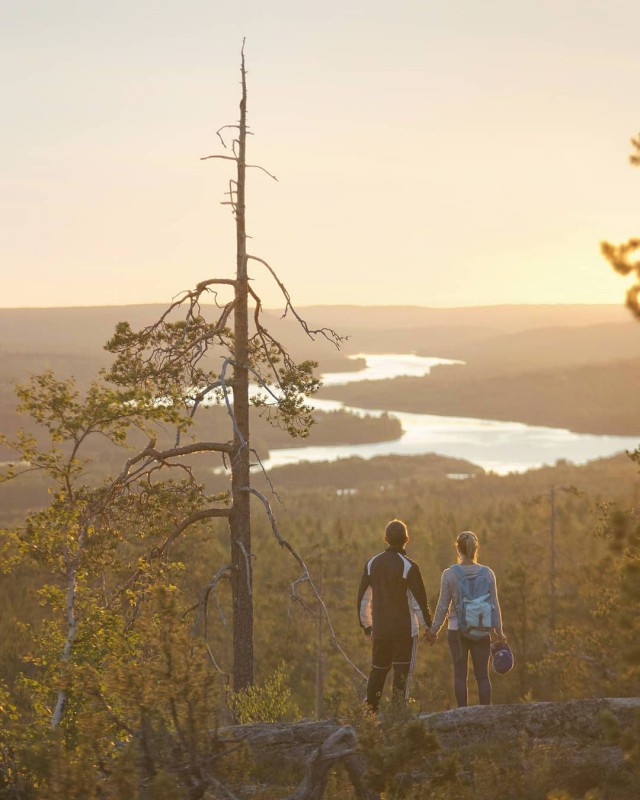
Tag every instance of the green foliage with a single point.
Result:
(627, 739)
(295, 383)
(270, 702)
(144, 712)
(120, 648)
(393, 749)
(112, 666)
(135, 680)
(621, 256)
(620, 528)
(167, 358)
(70, 418)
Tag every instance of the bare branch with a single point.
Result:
(247, 564)
(257, 166)
(219, 135)
(298, 598)
(262, 332)
(203, 285)
(189, 449)
(328, 333)
(192, 296)
(306, 576)
(229, 407)
(235, 158)
(216, 666)
(200, 396)
(216, 331)
(197, 516)
(130, 463)
(154, 457)
(267, 478)
(340, 744)
(224, 158)
(227, 402)
(211, 588)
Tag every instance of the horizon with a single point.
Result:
(331, 305)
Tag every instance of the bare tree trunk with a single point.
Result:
(320, 649)
(239, 519)
(552, 561)
(72, 621)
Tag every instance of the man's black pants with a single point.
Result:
(390, 652)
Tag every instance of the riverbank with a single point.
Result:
(596, 399)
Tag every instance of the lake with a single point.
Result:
(501, 447)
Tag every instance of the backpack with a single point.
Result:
(475, 612)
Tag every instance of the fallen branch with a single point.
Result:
(339, 745)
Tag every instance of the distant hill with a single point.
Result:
(504, 318)
(573, 366)
(546, 347)
(77, 329)
(351, 474)
(68, 330)
(447, 332)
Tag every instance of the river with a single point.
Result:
(501, 447)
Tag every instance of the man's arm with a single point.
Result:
(416, 587)
(444, 601)
(497, 613)
(364, 602)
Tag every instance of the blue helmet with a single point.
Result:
(502, 657)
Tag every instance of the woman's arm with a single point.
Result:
(442, 609)
(497, 613)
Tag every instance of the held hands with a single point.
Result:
(430, 638)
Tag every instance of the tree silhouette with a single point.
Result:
(107, 545)
(621, 256)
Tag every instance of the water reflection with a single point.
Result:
(501, 447)
(385, 366)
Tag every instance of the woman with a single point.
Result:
(460, 646)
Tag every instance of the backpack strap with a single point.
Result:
(459, 571)
(461, 576)
(484, 570)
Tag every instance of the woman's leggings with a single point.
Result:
(480, 652)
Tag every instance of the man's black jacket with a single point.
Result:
(392, 599)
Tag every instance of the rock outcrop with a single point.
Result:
(570, 736)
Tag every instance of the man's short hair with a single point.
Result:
(396, 533)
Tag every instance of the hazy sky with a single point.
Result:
(432, 152)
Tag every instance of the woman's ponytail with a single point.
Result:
(467, 545)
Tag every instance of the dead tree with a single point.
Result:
(255, 356)
(239, 518)
(160, 377)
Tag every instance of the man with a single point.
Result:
(392, 604)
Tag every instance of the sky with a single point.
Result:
(428, 152)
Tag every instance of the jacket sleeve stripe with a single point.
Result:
(365, 608)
